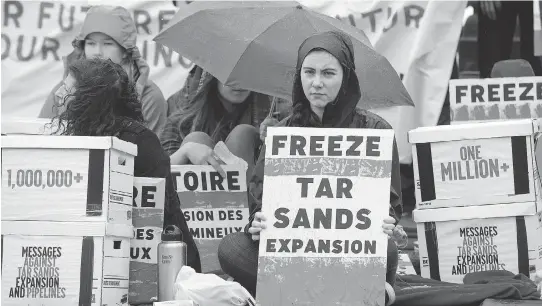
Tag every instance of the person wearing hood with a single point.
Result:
(110, 32)
(215, 112)
(325, 94)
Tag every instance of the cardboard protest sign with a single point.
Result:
(148, 221)
(326, 193)
(460, 240)
(476, 164)
(65, 263)
(213, 206)
(481, 100)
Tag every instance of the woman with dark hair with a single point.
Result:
(109, 32)
(103, 101)
(217, 112)
(325, 94)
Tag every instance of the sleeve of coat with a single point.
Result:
(152, 161)
(396, 202)
(396, 198)
(255, 188)
(50, 108)
(154, 107)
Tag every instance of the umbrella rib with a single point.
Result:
(262, 33)
(309, 21)
(272, 24)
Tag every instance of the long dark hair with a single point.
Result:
(104, 100)
(205, 113)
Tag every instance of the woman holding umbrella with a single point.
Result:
(325, 94)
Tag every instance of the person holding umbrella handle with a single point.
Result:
(325, 94)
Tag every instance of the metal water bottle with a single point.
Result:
(172, 252)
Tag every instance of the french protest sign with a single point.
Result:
(482, 100)
(326, 193)
(148, 222)
(213, 206)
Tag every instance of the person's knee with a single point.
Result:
(243, 141)
(199, 137)
(230, 244)
(243, 131)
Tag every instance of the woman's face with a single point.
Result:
(101, 45)
(233, 95)
(321, 78)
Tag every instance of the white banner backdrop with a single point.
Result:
(419, 38)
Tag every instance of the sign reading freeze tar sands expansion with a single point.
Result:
(326, 193)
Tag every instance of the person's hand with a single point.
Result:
(388, 226)
(199, 154)
(258, 224)
(269, 121)
(490, 8)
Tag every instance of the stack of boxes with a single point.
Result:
(479, 198)
(66, 220)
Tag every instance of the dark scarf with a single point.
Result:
(339, 113)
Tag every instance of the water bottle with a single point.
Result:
(172, 252)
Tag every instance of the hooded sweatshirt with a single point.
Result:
(342, 113)
(117, 23)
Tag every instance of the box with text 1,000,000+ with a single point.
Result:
(476, 164)
(67, 178)
(65, 263)
(459, 240)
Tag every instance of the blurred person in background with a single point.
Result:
(213, 113)
(496, 28)
(110, 32)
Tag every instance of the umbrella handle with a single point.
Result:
(272, 108)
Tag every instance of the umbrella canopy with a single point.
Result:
(253, 45)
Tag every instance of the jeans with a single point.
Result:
(238, 257)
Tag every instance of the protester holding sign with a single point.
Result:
(215, 113)
(325, 94)
(110, 32)
(104, 102)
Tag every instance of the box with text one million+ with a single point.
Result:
(67, 178)
(65, 263)
(476, 164)
(148, 221)
(456, 241)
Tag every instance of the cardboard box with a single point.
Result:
(174, 303)
(25, 126)
(495, 99)
(65, 263)
(83, 178)
(148, 221)
(213, 207)
(460, 240)
(476, 164)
